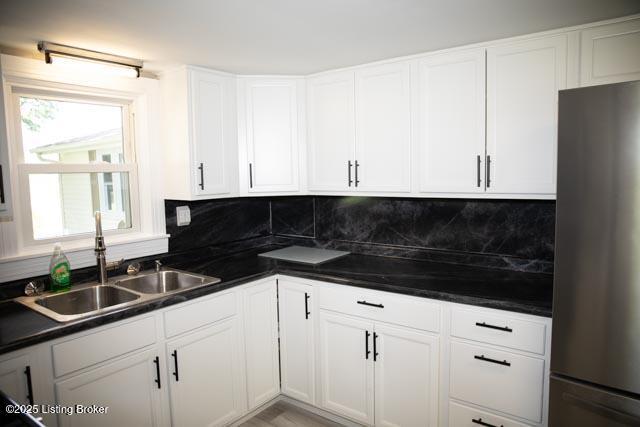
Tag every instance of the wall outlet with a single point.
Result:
(183, 214)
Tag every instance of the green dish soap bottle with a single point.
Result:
(60, 270)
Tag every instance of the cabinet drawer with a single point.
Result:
(199, 313)
(382, 306)
(96, 347)
(513, 386)
(490, 328)
(463, 416)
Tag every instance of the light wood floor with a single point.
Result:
(283, 414)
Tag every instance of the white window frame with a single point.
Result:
(25, 223)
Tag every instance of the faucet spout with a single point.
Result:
(100, 250)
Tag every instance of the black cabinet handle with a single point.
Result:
(175, 364)
(366, 345)
(499, 328)
(357, 166)
(483, 423)
(157, 363)
(306, 305)
(201, 169)
(370, 304)
(375, 346)
(27, 372)
(487, 359)
(349, 180)
(479, 181)
(488, 171)
(1, 186)
(250, 175)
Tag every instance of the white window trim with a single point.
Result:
(18, 259)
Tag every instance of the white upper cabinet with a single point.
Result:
(331, 131)
(610, 53)
(271, 124)
(451, 143)
(200, 134)
(383, 128)
(523, 80)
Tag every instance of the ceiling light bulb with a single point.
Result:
(93, 67)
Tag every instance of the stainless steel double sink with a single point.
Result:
(123, 291)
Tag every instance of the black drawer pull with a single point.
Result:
(201, 169)
(175, 364)
(487, 359)
(499, 328)
(370, 304)
(349, 180)
(1, 186)
(483, 423)
(366, 344)
(375, 347)
(156, 361)
(27, 372)
(306, 305)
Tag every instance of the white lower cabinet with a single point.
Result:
(297, 340)
(371, 357)
(346, 366)
(205, 381)
(406, 377)
(261, 342)
(16, 378)
(378, 374)
(127, 387)
(464, 416)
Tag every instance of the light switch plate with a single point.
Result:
(183, 214)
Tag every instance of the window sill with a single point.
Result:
(35, 261)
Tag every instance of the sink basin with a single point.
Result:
(92, 299)
(164, 282)
(86, 300)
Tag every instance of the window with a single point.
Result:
(77, 158)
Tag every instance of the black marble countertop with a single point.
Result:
(529, 293)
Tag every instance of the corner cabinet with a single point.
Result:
(359, 130)
(200, 134)
(270, 119)
(523, 80)
(261, 341)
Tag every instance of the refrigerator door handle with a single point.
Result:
(598, 408)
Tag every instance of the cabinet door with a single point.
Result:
(452, 122)
(206, 381)
(406, 379)
(261, 342)
(523, 80)
(127, 387)
(331, 131)
(272, 135)
(16, 378)
(211, 135)
(297, 341)
(610, 53)
(383, 128)
(346, 366)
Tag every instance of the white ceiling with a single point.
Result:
(285, 36)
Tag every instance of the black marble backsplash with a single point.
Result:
(512, 234)
(218, 221)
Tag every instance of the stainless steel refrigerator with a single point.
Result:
(595, 351)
